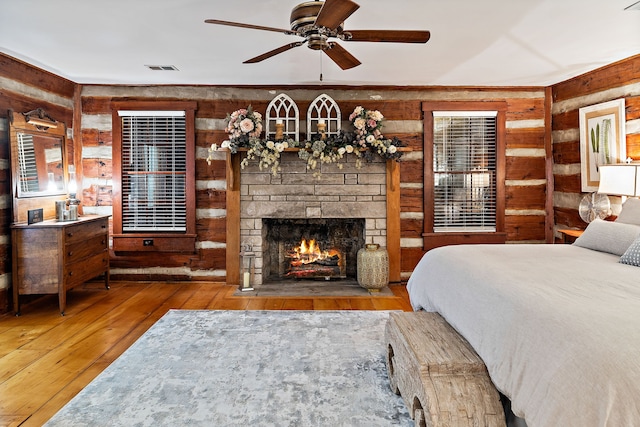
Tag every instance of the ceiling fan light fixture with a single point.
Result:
(318, 41)
(319, 21)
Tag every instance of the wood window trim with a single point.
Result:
(430, 238)
(161, 241)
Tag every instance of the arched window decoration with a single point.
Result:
(323, 110)
(282, 110)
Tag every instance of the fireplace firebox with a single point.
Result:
(321, 249)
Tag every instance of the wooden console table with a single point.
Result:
(52, 257)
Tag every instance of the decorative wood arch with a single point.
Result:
(282, 107)
(324, 108)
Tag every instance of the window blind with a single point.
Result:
(28, 179)
(153, 171)
(464, 165)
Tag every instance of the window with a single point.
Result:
(464, 173)
(155, 207)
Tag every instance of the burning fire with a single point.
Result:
(309, 252)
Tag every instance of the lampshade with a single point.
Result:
(620, 179)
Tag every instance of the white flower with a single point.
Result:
(392, 149)
(280, 147)
(375, 115)
(225, 144)
(349, 148)
(356, 112)
(285, 144)
(341, 150)
(246, 125)
(359, 123)
(370, 138)
(270, 145)
(214, 147)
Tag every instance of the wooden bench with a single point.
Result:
(441, 379)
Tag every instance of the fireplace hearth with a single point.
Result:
(320, 249)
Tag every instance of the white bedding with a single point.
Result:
(558, 326)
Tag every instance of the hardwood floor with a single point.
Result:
(46, 358)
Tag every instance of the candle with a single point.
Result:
(279, 121)
(322, 129)
(279, 130)
(246, 279)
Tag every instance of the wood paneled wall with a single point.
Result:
(618, 80)
(526, 183)
(530, 157)
(24, 88)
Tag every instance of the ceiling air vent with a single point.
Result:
(162, 67)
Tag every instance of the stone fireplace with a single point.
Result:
(325, 248)
(357, 198)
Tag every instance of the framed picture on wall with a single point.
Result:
(602, 140)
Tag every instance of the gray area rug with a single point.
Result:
(314, 288)
(241, 368)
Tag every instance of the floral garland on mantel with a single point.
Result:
(244, 128)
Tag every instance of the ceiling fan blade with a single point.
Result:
(340, 56)
(334, 12)
(254, 27)
(393, 36)
(273, 52)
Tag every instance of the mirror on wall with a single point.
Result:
(38, 160)
(37, 154)
(40, 164)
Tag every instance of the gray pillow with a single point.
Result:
(632, 255)
(606, 236)
(630, 213)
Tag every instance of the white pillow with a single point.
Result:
(630, 213)
(607, 236)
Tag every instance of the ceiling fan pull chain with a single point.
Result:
(320, 51)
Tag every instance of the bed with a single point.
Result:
(558, 326)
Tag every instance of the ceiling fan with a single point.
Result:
(319, 21)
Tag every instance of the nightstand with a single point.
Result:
(570, 235)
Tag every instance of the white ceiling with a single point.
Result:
(473, 42)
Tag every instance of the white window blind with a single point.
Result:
(153, 171)
(28, 179)
(464, 165)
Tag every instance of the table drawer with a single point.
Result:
(78, 251)
(79, 272)
(84, 231)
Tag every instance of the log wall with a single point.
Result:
(24, 88)
(542, 150)
(618, 80)
(525, 150)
